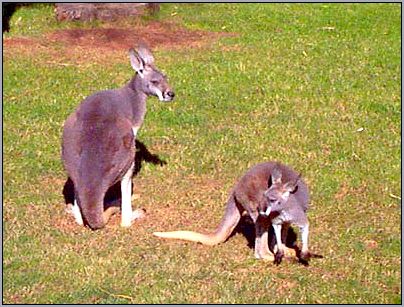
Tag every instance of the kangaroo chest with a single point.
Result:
(283, 217)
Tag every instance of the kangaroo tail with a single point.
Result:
(97, 217)
(207, 239)
(228, 223)
(92, 208)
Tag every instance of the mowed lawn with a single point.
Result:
(316, 86)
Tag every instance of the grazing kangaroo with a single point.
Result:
(269, 193)
(98, 146)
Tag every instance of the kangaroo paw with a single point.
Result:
(138, 214)
(69, 209)
(304, 258)
(278, 257)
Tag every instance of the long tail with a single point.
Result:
(92, 208)
(95, 216)
(90, 195)
(90, 182)
(228, 223)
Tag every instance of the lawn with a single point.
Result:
(316, 86)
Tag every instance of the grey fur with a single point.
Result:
(250, 195)
(98, 142)
(286, 202)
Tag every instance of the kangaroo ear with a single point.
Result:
(292, 186)
(136, 61)
(145, 54)
(276, 176)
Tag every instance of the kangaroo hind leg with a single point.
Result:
(289, 252)
(261, 239)
(77, 213)
(128, 216)
(74, 210)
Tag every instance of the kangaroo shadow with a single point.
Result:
(246, 227)
(8, 10)
(113, 195)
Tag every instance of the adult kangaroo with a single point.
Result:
(270, 193)
(98, 143)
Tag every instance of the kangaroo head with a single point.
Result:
(150, 81)
(276, 196)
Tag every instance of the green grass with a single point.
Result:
(296, 83)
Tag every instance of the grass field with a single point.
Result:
(316, 86)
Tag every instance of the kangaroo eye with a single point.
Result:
(154, 82)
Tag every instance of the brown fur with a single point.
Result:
(247, 196)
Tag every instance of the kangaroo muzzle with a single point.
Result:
(168, 95)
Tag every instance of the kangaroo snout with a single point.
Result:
(168, 95)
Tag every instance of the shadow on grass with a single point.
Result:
(246, 227)
(8, 10)
(113, 195)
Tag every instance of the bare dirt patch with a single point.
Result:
(154, 34)
(18, 41)
(114, 37)
(164, 205)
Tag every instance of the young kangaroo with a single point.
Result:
(271, 193)
(284, 205)
(98, 143)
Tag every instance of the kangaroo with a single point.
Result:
(98, 142)
(270, 193)
(284, 205)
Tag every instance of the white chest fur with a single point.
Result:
(135, 130)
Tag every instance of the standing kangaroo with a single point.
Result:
(270, 193)
(98, 146)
